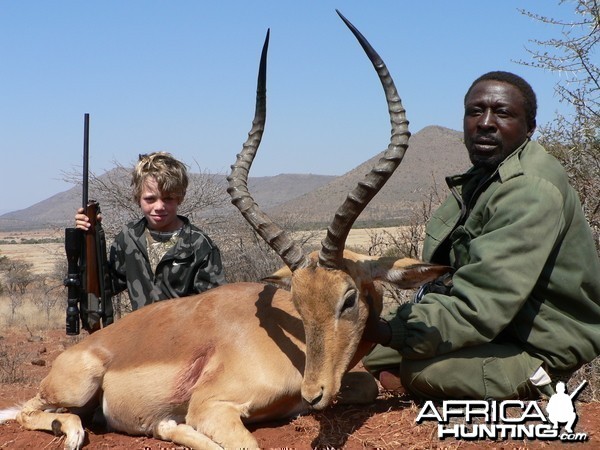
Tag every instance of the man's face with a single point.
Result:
(495, 123)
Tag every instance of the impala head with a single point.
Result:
(333, 290)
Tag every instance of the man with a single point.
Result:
(523, 307)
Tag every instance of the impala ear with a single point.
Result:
(282, 277)
(406, 273)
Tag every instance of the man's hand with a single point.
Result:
(377, 330)
(441, 285)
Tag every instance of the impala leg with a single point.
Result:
(182, 434)
(358, 388)
(32, 417)
(222, 422)
(73, 382)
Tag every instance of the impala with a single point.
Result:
(194, 370)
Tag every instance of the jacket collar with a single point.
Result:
(183, 248)
(509, 168)
(140, 226)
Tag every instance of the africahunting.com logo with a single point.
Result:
(508, 419)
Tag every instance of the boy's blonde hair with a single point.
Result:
(169, 173)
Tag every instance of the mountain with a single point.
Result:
(58, 210)
(433, 153)
(269, 192)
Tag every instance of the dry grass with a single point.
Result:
(30, 316)
(388, 424)
(42, 257)
(11, 364)
(358, 238)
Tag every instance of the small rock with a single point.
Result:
(38, 362)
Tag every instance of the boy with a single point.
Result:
(162, 255)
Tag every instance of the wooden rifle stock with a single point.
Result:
(93, 307)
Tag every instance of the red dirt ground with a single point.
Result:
(387, 424)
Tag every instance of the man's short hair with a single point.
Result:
(520, 84)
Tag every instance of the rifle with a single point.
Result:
(88, 277)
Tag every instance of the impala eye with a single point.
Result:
(349, 301)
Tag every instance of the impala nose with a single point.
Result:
(313, 398)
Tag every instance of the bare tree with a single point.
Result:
(246, 256)
(17, 275)
(575, 140)
(573, 56)
(16, 300)
(3, 261)
(407, 241)
(52, 296)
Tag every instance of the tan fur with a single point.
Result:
(194, 370)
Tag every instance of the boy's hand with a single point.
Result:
(82, 221)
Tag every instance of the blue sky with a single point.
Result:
(180, 76)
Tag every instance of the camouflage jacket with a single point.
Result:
(527, 270)
(191, 266)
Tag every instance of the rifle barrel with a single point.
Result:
(86, 157)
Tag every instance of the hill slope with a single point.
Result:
(433, 153)
(57, 211)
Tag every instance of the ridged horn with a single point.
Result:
(332, 246)
(288, 250)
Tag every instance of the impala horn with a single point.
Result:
(333, 244)
(290, 252)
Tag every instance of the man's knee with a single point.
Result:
(381, 358)
(437, 380)
(465, 378)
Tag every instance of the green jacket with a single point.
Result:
(527, 269)
(191, 266)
